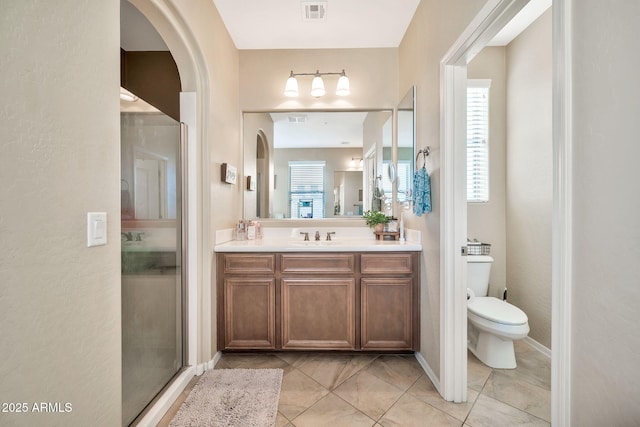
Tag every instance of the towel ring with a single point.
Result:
(425, 152)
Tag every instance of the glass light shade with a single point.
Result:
(125, 95)
(343, 86)
(291, 88)
(317, 87)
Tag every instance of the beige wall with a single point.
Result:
(487, 221)
(435, 27)
(222, 203)
(60, 144)
(373, 76)
(605, 382)
(530, 175)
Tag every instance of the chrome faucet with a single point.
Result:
(306, 235)
(329, 233)
(317, 235)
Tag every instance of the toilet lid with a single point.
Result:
(498, 311)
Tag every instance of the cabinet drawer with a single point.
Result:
(318, 263)
(387, 263)
(249, 264)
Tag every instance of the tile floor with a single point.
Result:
(391, 390)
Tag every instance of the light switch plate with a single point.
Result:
(96, 228)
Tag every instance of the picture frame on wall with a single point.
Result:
(229, 174)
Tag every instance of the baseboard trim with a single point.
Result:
(536, 345)
(164, 402)
(427, 370)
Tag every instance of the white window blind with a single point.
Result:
(478, 140)
(306, 189)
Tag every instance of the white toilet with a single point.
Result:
(492, 324)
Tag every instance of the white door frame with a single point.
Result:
(453, 346)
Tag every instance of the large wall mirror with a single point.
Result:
(406, 146)
(314, 165)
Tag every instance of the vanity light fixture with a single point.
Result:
(317, 85)
(358, 159)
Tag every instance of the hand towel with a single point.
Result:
(421, 191)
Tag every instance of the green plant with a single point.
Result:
(371, 218)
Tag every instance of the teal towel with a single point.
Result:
(421, 191)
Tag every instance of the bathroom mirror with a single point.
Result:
(309, 164)
(404, 167)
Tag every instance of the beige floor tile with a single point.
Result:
(410, 412)
(424, 390)
(488, 412)
(295, 358)
(369, 394)
(332, 411)
(281, 420)
(477, 372)
(253, 361)
(533, 367)
(399, 371)
(521, 394)
(333, 370)
(298, 392)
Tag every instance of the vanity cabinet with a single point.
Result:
(387, 302)
(248, 291)
(318, 301)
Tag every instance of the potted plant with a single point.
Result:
(375, 220)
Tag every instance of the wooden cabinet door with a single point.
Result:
(318, 313)
(249, 307)
(386, 306)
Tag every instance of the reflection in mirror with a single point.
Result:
(406, 146)
(388, 172)
(149, 161)
(313, 164)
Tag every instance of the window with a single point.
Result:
(478, 140)
(306, 189)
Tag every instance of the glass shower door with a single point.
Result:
(151, 249)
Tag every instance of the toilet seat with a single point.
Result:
(496, 310)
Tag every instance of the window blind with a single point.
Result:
(478, 140)
(306, 189)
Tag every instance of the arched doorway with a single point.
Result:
(194, 101)
(262, 176)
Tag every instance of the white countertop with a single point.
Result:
(346, 239)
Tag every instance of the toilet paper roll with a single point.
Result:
(470, 296)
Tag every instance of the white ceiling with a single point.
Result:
(319, 130)
(279, 24)
(522, 20)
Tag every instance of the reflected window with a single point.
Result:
(306, 189)
(478, 140)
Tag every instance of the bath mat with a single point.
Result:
(232, 398)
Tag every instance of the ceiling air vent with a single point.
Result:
(314, 11)
(297, 118)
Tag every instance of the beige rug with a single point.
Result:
(232, 398)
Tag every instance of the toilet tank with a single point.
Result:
(478, 271)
